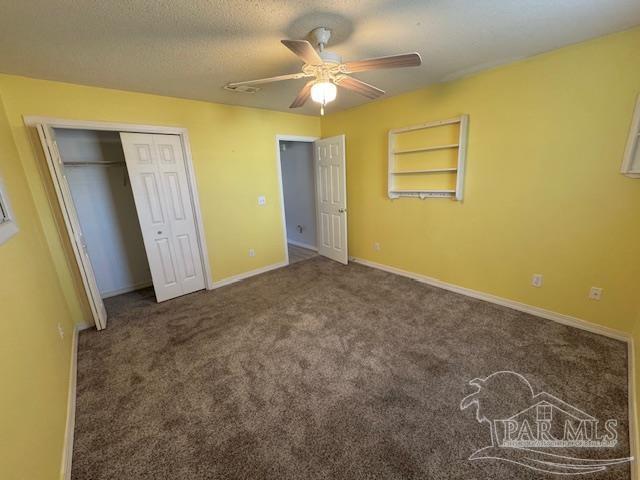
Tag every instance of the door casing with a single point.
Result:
(294, 138)
(57, 177)
(287, 138)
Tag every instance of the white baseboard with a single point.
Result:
(505, 302)
(251, 273)
(303, 245)
(67, 448)
(131, 288)
(634, 440)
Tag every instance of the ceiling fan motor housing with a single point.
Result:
(330, 57)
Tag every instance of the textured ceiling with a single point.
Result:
(192, 48)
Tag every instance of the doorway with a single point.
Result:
(96, 172)
(127, 196)
(298, 191)
(312, 174)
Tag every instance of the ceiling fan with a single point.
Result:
(327, 70)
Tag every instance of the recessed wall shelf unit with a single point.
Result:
(631, 161)
(428, 160)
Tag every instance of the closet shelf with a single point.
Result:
(430, 170)
(426, 149)
(84, 164)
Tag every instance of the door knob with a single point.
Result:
(342, 210)
(159, 232)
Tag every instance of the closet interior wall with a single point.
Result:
(96, 172)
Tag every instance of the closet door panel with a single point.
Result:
(171, 165)
(153, 213)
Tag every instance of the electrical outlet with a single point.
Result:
(252, 252)
(262, 200)
(536, 280)
(376, 246)
(60, 331)
(595, 293)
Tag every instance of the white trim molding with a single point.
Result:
(62, 189)
(549, 315)
(505, 302)
(251, 273)
(67, 447)
(286, 138)
(8, 227)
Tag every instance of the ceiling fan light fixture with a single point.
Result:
(323, 92)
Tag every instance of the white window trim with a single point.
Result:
(8, 228)
(633, 143)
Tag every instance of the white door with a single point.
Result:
(79, 246)
(331, 198)
(161, 191)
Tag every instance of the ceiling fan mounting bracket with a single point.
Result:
(321, 35)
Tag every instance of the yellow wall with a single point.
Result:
(544, 193)
(233, 153)
(34, 360)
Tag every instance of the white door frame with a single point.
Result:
(288, 138)
(34, 121)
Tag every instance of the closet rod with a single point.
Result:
(84, 164)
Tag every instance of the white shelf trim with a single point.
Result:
(426, 149)
(422, 191)
(430, 170)
(393, 171)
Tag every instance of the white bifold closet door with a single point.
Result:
(331, 198)
(158, 176)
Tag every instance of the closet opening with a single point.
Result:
(128, 197)
(96, 173)
(299, 198)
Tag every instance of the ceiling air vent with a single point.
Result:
(241, 88)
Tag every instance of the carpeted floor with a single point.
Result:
(322, 371)
(299, 254)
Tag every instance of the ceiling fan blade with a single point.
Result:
(303, 95)
(304, 50)
(394, 61)
(290, 76)
(359, 86)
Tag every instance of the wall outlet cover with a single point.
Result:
(262, 200)
(536, 280)
(595, 293)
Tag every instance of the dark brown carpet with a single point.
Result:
(321, 371)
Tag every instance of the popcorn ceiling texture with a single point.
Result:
(191, 49)
(321, 371)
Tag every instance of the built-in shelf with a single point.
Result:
(423, 193)
(397, 190)
(431, 170)
(426, 149)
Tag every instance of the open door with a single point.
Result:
(331, 198)
(54, 162)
